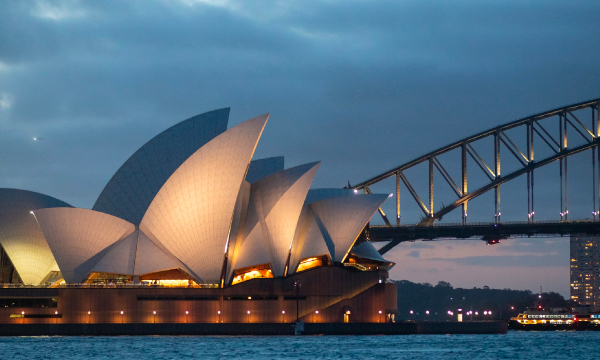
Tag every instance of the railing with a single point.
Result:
(488, 224)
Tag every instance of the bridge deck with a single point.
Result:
(483, 231)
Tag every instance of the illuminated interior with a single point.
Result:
(313, 262)
(367, 264)
(253, 272)
(169, 278)
(101, 278)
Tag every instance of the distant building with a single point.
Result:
(585, 270)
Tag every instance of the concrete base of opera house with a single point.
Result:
(332, 294)
(486, 327)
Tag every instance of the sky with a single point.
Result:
(362, 86)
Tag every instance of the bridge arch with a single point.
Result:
(532, 125)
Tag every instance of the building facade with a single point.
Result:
(585, 270)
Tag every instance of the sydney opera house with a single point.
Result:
(192, 229)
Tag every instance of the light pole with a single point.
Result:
(186, 316)
(219, 313)
(55, 316)
(316, 315)
(297, 285)
(248, 316)
(282, 316)
(121, 316)
(154, 317)
(88, 317)
(380, 312)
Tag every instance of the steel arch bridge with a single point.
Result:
(572, 117)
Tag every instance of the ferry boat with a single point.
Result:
(539, 318)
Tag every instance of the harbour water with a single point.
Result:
(514, 345)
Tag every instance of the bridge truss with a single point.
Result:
(569, 119)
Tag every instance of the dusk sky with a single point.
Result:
(362, 86)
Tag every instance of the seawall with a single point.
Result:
(486, 327)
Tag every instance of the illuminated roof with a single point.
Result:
(341, 219)
(133, 187)
(366, 250)
(274, 208)
(331, 221)
(21, 237)
(192, 213)
(79, 238)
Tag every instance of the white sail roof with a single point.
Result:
(341, 219)
(308, 240)
(192, 213)
(331, 221)
(133, 187)
(79, 238)
(274, 209)
(21, 237)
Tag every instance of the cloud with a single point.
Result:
(505, 260)
(414, 254)
(58, 11)
(6, 101)
(420, 245)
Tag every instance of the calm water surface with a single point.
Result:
(514, 345)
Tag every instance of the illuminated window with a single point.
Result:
(253, 272)
(312, 262)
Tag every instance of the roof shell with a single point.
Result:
(331, 221)
(79, 238)
(133, 187)
(274, 209)
(21, 237)
(192, 213)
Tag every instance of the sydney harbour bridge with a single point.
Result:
(557, 135)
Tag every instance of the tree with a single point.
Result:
(444, 284)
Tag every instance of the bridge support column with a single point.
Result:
(497, 212)
(431, 212)
(464, 180)
(530, 211)
(595, 131)
(398, 198)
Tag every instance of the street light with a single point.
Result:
(88, 318)
(121, 316)
(186, 316)
(219, 313)
(380, 312)
(316, 315)
(282, 316)
(154, 317)
(248, 316)
(297, 285)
